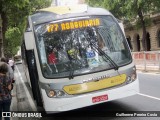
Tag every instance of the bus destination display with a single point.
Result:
(53, 27)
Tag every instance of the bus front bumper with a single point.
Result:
(54, 105)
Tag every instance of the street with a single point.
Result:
(147, 100)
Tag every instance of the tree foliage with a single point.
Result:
(38, 4)
(131, 10)
(14, 14)
(95, 3)
(13, 37)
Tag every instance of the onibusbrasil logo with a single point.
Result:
(22, 114)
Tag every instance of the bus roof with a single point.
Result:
(64, 12)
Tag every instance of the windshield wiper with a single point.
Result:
(116, 67)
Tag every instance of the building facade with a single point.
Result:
(134, 37)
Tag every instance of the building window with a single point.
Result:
(138, 43)
(148, 42)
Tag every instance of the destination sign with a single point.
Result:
(73, 25)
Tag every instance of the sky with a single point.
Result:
(67, 2)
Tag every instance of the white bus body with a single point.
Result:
(80, 73)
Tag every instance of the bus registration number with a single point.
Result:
(100, 98)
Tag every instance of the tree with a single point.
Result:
(14, 14)
(131, 10)
(38, 4)
(137, 9)
(11, 12)
(12, 36)
(95, 3)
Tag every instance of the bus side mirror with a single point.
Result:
(29, 39)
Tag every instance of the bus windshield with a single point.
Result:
(72, 47)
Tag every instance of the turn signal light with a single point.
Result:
(133, 76)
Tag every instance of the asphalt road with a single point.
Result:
(147, 101)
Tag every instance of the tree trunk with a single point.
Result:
(1, 46)
(144, 30)
(4, 29)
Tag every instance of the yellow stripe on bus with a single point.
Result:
(66, 9)
(92, 86)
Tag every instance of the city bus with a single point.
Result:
(77, 56)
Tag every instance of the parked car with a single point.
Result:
(18, 59)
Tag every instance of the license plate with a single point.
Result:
(100, 98)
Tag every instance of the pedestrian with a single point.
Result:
(10, 71)
(11, 63)
(5, 90)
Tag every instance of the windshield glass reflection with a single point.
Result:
(65, 48)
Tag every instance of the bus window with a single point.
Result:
(73, 40)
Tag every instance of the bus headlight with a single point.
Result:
(51, 93)
(60, 93)
(55, 93)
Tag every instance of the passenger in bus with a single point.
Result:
(74, 54)
(101, 44)
(103, 47)
(5, 90)
(52, 56)
(62, 56)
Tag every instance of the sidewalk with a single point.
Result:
(14, 100)
(19, 100)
